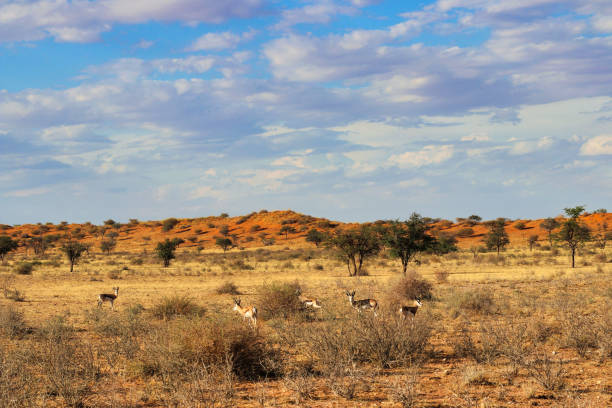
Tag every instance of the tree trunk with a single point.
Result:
(404, 266)
(354, 267)
(71, 265)
(573, 256)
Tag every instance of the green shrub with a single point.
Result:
(169, 223)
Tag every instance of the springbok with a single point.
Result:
(247, 312)
(308, 302)
(411, 308)
(107, 297)
(362, 304)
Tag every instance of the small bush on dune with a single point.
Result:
(173, 306)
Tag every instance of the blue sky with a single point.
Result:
(348, 109)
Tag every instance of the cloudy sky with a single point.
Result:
(346, 109)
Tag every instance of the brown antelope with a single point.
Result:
(362, 304)
(411, 308)
(107, 297)
(247, 312)
(308, 302)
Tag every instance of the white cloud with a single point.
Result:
(524, 147)
(220, 41)
(83, 21)
(598, 145)
(319, 11)
(428, 155)
(28, 192)
(476, 137)
(415, 182)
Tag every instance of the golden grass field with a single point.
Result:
(469, 358)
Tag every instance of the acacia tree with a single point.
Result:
(602, 236)
(549, 225)
(315, 236)
(532, 241)
(573, 232)
(354, 246)
(73, 250)
(7, 244)
(224, 243)
(408, 238)
(497, 237)
(287, 229)
(165, 250)
(108, 245)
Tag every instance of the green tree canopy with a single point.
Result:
(497, 237)
(7, 244)
(408, 238)
(574, 233)
(73, 251)
(354, 246)
(165, 250)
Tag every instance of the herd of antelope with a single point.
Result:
(250, 312)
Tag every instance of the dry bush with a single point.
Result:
(411, 287)
(604, 334)
(384, 340)
(24, 268)
(441, 275)
(121, 332)
(227, 288)
(12, 324)
(547, 372)
(18, 383)
(174, 306)
(477, 301)
(178, 345)
(279, 299)
(347, 381)
(68, 366)
(302, 385)
(404, 390)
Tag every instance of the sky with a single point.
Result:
(354, 110)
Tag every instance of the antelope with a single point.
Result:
(412, 308)
(308, 302)
(359, 305)
(247, 312)
(107, 297)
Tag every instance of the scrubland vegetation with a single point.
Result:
(521, 328)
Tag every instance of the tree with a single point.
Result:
(532, 241)
(286, 229)
(573, 232)
(7, 244)
(168, 224)
(108, 245)
(602, 236)
(165, 250)
(497, 237)
(354, 246)
(549, 225)
(224, 243)
(408, 238)
(224, 230)
(315, 236)
(73, 250)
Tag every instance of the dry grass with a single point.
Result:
(488, 325)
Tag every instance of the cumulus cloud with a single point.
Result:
(427, 156)
(318, 11)
(220, 41)
(598, 145)
(525, 147)
(84, 21)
